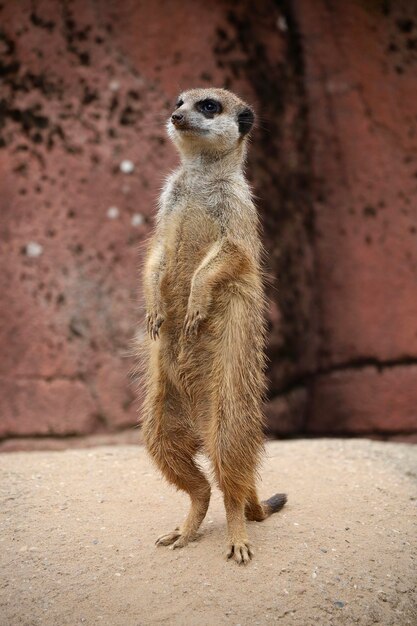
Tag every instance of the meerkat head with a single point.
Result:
(211, 121)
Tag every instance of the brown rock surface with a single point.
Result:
(286, 413)
(61, 407)
(368, 400)
(361, 65)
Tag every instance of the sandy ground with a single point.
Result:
(78, 530)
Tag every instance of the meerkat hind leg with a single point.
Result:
(198, 489)
(232, 484)
(173, 447)
(184, 474)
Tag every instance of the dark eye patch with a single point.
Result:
(245, 120)
(209, 108)
(179, 103)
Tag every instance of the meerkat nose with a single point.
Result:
(177, 118)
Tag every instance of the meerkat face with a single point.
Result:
(209, 120)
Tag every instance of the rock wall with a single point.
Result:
(85, 90)
(361, 70)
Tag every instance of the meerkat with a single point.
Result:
(205, 320)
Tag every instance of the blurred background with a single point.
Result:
(85, 89)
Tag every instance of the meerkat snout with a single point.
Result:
(213, 120)
(176, 117)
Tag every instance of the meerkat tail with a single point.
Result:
(274, 503)
(256, 511)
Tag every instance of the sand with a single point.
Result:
(78, 529)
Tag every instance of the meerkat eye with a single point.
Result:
(179, 104)
(209, 107)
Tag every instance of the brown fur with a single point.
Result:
(205, 318)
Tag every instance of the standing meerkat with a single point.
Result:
(205, 320)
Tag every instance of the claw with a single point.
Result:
(181, 542)
(169, 538)
(153, 323)
(175, 540)
(240, 552)
(192, 323)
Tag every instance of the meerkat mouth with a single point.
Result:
(194, 131)
(187, 129)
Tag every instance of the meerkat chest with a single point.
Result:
(191, 231)
(193, 220)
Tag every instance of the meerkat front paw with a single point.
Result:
(193, 320)
(154, 321)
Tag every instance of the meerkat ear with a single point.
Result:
(245, 120)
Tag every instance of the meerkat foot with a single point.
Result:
(175, 539)
(169, 538)
(181, 542)
(240, 551)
